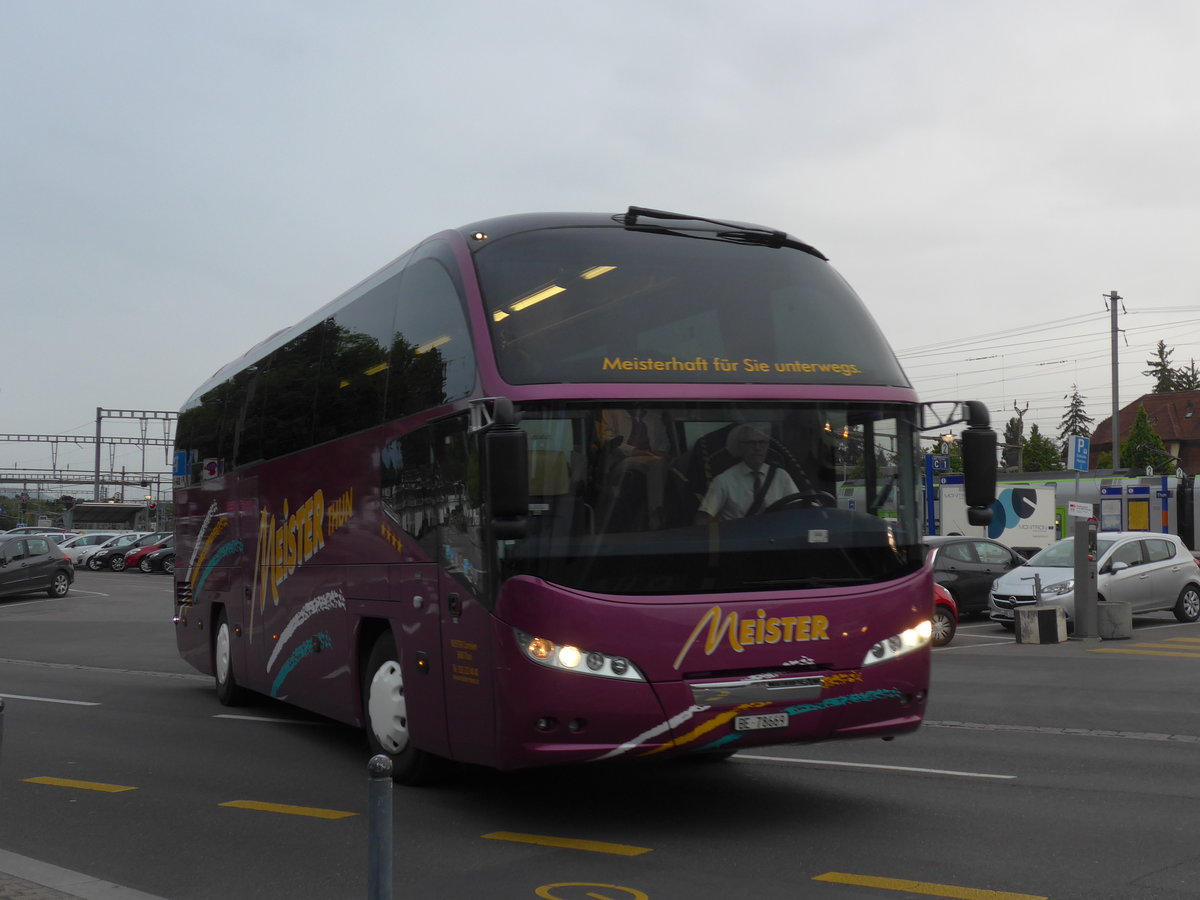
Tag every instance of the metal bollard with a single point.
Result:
(379, 828)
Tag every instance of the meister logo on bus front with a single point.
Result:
(760, 629)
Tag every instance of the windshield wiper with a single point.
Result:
(737, 233)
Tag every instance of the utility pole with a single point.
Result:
(1112, 297)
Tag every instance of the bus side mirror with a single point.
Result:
(978, 444)
(507, 459)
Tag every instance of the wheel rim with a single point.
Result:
(223, 660)
(941, 627)
(61, 586)
(1191, 604)
(118, 563)
(169, 565)
(388, 708)
(93, 563)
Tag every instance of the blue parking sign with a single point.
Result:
(1081, 449)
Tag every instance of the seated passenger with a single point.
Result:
(637, 444)
(747, 487)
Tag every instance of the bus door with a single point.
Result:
(243, 600)
(467, 623)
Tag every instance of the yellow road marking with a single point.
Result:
(923, 887)
(633, 893)
(1183, 640)
(83, 785)
(1180, 654)
(310, 811)
(568, 843)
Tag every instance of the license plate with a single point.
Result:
(759, 723)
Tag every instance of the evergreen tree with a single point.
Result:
(1187, 379)
(1160, 370)
(1144, 448)
(1075, 421)
(1040, 454)
(1010, 457)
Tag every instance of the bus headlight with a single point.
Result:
(900, 644)
(569, 658)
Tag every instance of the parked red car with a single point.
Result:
(945, 616)
(135, 556)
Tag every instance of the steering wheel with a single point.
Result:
(814, 499)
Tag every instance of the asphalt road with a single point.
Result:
(1059, 771)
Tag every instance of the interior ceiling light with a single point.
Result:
(436, 342)
(543, 294)
(596, 272)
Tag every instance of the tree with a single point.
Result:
(1075, 421)
(1160, 370)
(1040, 453)
(1013, 440)
(1187, 379)
(1144, 448)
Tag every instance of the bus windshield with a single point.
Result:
(606, 304)
(661, 498)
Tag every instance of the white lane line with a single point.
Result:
(853, 765)
(48, 700)
(271, 720)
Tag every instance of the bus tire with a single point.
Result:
(385, 714)
(229, 692)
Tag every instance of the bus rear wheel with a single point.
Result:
(229, 692)
(385, 712)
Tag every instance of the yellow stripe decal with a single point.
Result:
(923, 887)
(708, 725)
(310, 811)
(567, 843)
(83, 785)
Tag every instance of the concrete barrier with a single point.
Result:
(1041, 625)
(1115, 620)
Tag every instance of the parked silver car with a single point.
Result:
(1148, 571)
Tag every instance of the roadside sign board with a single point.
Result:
(1081, 448)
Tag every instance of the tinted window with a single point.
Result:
(1158, 550)
(1130, 553)
(431, 357)
(991, 553)
(957, 552)
(610, 304)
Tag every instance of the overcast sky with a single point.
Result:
(180, 180)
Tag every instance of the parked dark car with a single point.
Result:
(160, 560)
(30, 563)
(114, 557)
(967, 566)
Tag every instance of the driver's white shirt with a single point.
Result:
(731, 493)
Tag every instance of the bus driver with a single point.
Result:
(747, 487)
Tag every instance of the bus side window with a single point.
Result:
(431, 360)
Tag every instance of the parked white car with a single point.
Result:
(1148, 571)
(119, 540)
(76, 544)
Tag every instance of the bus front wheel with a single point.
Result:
(385, 712)
(229, 692)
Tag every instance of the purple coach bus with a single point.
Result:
(560, 488)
